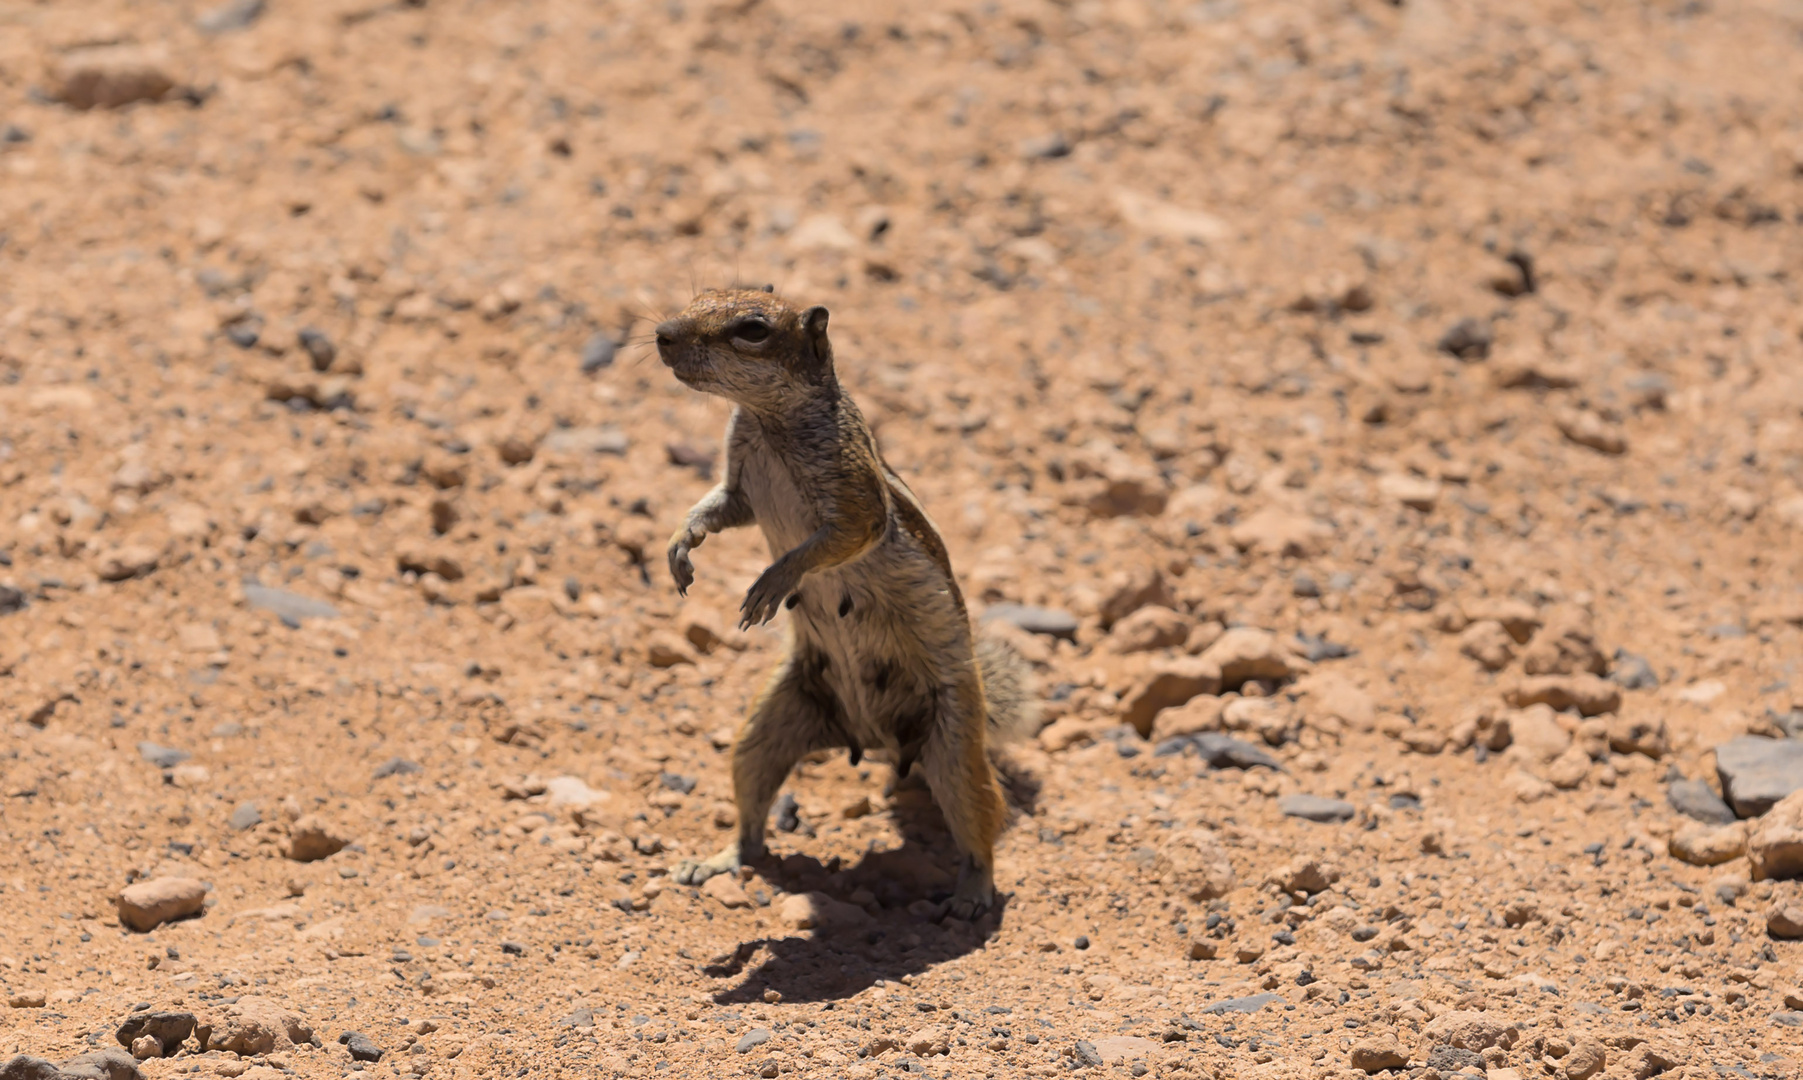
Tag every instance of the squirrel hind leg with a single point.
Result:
(964, 785)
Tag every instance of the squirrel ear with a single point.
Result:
(813, 323)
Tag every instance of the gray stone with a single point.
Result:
(1053, 145)
(287, 606)
(245, 816)
(1316, 808)
(586, 440)
(396, 766)
(1249, 1004)
(1695, 799)
(1035, 620)
(1756, 772)
(106, 1064)
(170, 1029)
(26, 1067)
(229, 16)
(11, 600)
(1447, 1060)
(1468, 339)
(754, 1038)
(598, 353)
(579, 1018)
(361, 1046)
(1632, 672)
(1088, 1055)
(319, 347)
(163, 757)
(1218, 750)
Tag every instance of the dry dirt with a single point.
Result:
(1463, 336)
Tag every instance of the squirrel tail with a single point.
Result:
(1009, 689)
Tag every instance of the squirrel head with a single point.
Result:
(749, 346)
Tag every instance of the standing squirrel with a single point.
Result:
(881, 656)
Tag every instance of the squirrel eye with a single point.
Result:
(752, 330)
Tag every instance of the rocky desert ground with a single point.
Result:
(1381, 424)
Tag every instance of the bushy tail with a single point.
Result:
(1009, 689)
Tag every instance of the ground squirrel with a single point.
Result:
(881, 654)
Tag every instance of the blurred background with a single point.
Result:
(1454, 348)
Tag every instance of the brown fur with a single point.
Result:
(881, 655)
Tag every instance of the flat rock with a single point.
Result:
(396, 766)
(1249, 1004)
(289, 606)
(1316, 808)
(752, 1039)
(148, 904)
(1123, 1047)
(1218, 750)
(163, 757)
(1051, 622)
(1278, 532)
(1696, 799)
(1709, 845)
(572, 792)
(108, 76)
(586, 440)
(108, 1064)
(816, 910)
(726, 889)
(1756, 772)
(1150, 628)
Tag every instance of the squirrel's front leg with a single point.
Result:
(718, 510)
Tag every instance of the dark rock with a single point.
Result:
(1035, 620)
(26, 1067)
(106, 1064)
(1317, 649)
(11, 600)
(1087, 1054)
(1447, 1060)
(1249, 1004)
(1756, 772)
(513, 948)
(361, 1046)
(673, 782)
(1467, 339)
(598, 353)
(1218, 750)
(1633, 672)
(286, 605)
(13, 134)
(1693, 798)
(163, 757)
(1305, 585)
(788, 814)
(229, 16)
(1316, 808)
(244, 333)
(319, 348)
(754, 1038)
(396, 766)
(171, 1029)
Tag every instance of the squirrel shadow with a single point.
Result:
(909, 934)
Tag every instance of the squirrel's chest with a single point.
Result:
(783, 511)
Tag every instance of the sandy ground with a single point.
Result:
(335, 473)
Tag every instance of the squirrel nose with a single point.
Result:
(667, 332)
